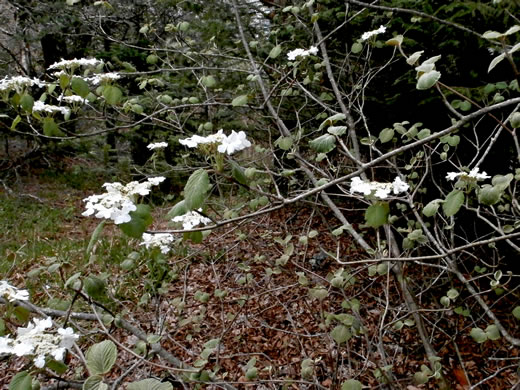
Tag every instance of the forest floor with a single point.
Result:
(277, 314)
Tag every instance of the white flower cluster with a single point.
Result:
(75, 63)
(18, 83)
(103, 77)
(158, 240)
(473, 174)
(40, 106)
(12, 293)
(227, 143)
(191, 219)
(370, 34)
(157, 145)
(291, 56)
(117, 203)
(71, 99)
(36, 340)
(380, 190)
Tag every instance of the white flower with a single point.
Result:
(157, 145)
(159, 240)
(18, 83)
(37, 340)
(226, 143)
(64, 64)
(191, 219)
(361, 186)
(399, 186)
(117, 203)
(12, 293)
(103, 78)
(291, 56)
(473, 174)
(234, 142)
(370, 34)
(71, 99)
(40, 361)
(41, 106)
(380, 190)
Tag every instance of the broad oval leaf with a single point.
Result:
(177, 210)
(112, 94)
(150, 384)
(331, 120)
(453, 202)
(51, 128)
(238, 173)
(195, 189)
(492, 35)
(386, 135)
(351, 384)
(492, 332)
(141, 219)
(275, 51)
(337, 130)
(489, 195)
(478, 335)
(515, 120)
(208, 81)
(27, 102)
(21, 381)
(428, 80)
(512, 30)
(516, 312)
(80, 87)
(95, 382)
(414, 57)
(377, 214)
(240, 101)
(101, 357)
(284, 143)
(340, 334)
(324, 143)
(502, 181)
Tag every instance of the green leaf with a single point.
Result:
(101, 357)
(21, 381)
(502, 181)
(95, 236)
(80, 87)
(478, 335)
(95, 382)
(240, 101)
(141, 219)
(319, 293)
(177, 210)
(50, 128)
(252, 373)
(516, 312)
(27, 102)
(94, 287)
(377, 214)
(196, 188)
(351, 384)
(386, 135)
(395, 41)
(356, 48)
(428, 80)
(324, 143)
(453, 202)
(420, 378)
(332, 120)
(275, 51)
(337, 130)
(112, 94)
(489, 195)
(492, 35)
(515, 120)
(431, 208)
(16, 120)
(492, 332)
(238, 173)
(340, 334)
(495, 61)
(284, 143)
(208, 81)
(452, 293)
